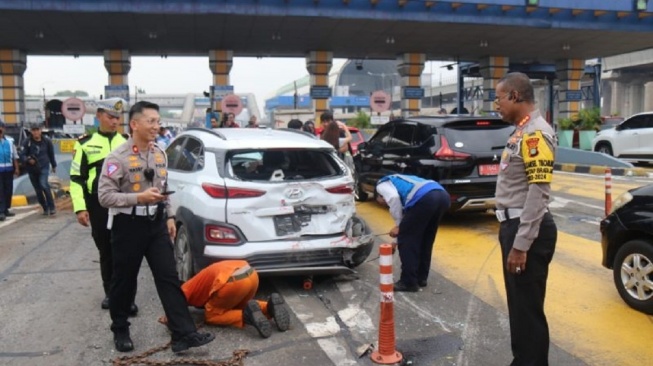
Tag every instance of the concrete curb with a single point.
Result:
(24, 200)
(600, 170)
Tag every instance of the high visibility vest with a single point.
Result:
(86, 166)
(408, 186)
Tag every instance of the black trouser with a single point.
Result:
(417, 230)
(6, 191)
(101, 237)
(529, 330)
(135, 237)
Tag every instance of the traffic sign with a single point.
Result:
(380, 101)
(379, 120)
(74, 129)
(232, 104)
(73, 109)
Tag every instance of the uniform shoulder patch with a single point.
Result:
(538, 158)
(112, 168)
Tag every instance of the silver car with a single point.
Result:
(279, 199)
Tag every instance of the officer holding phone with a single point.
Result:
(132, 185)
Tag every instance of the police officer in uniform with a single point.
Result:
(527, 232)
(90, 152)
(417, 205)
(133, 186)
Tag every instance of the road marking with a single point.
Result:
(584, 311)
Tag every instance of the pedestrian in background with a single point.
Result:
(8, 169)
(309, 126)
(252, 122)
(37, 155)
(90, 152)
(229, 120)
(417, 206)
(133, 185)
(331, 133)
(163, 139)
(527, 233)
(295, 124)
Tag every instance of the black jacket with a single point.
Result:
(42, 151)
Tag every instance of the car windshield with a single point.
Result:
(478, 136)
(279, 165)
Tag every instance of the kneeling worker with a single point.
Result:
(226, 290)
(417, 206)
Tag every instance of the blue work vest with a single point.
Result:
(411, 188)
(6, 156)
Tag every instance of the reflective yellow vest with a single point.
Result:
(86, 166)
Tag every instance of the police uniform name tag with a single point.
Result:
(538, 158)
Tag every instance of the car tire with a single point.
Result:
(361, 196)
(604, 147)
(183, 255)
(635, 286)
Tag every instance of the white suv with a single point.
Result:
(631, 140)
(280, 199)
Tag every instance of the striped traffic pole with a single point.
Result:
(608, 190)
(386, 354)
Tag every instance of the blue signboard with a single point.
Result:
(573, 95)
(491, 95)
(412, 92)
(222, 90)
(116, 91)
(320, 92)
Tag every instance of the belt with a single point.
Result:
(242, 275)
(137, 210)
(508, 213)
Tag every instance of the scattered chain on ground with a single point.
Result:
(141, 359)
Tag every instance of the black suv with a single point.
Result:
(627, 242)
(462, 153)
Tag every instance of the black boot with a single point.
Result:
(402, 287)
(122, 340)
(278, 309)
(105, 303)
(252, 315)
(133, 310)
(194, 339)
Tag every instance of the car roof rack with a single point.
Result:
(213, 132)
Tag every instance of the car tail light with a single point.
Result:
(445, 152)
(221, 235)
(217, 191)
(343, 189)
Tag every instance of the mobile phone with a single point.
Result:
(166, 193)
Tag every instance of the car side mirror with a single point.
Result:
(618, 128)
(362, 146)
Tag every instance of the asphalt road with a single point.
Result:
(50, 286)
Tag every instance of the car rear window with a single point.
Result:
(478, 134)
(286, 164)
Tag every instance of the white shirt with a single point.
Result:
(391, 196)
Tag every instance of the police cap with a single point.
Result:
(112, 106)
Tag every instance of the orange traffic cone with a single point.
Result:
(386, 354)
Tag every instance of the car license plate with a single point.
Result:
(488, 169)
(288, 224)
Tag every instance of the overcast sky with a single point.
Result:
(174, 75)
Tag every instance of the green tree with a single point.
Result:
(362, 120)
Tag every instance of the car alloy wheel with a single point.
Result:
(633, 274)
(183, 255)
(604, 148)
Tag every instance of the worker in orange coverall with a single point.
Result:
(226, 290)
